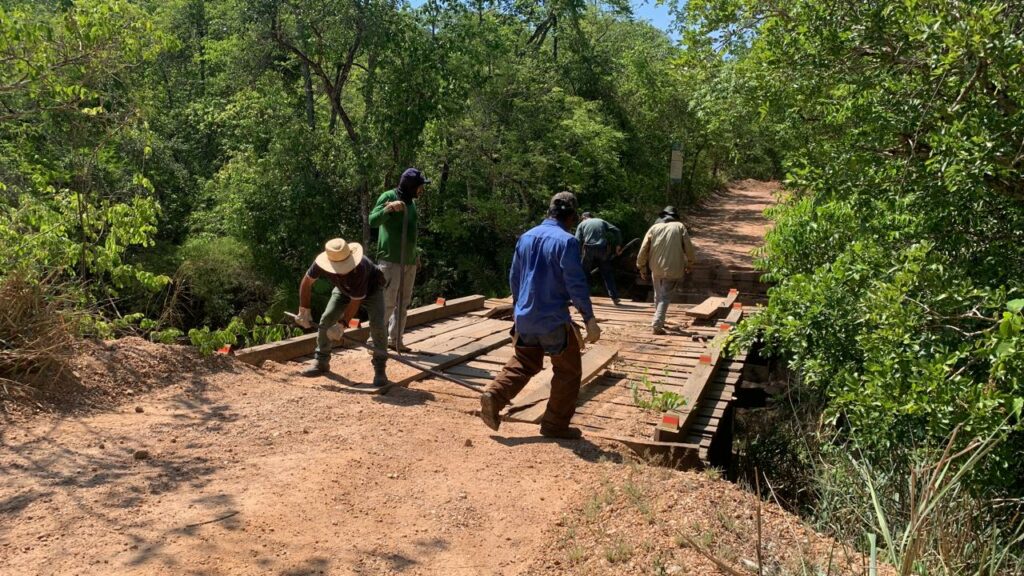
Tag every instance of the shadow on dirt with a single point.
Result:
(65, 464)
(404, 397)
(583, 448)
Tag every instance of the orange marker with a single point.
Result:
(705, 358)
(440, 302)
(670, 420)
(353, 323)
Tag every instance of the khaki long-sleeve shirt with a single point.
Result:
(668, 250)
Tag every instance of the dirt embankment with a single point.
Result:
(210, 466)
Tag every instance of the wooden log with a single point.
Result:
(302, 345)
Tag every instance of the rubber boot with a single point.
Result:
(380, 375)
(316, 368)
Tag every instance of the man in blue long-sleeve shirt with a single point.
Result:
(546, 276)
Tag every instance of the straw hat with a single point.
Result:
(340, 257)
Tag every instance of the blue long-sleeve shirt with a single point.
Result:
(546, 276)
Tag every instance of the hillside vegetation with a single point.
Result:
(169, 168)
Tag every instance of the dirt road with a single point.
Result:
(730, 225)
(257, 471)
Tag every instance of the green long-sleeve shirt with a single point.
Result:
(389, 240)
(597, 232)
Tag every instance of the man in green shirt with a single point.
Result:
(395, 216)
(601, 241)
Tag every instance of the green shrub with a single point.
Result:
(218, 280)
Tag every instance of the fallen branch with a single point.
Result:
(224, 517)
(720, 563)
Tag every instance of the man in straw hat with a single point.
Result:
(356, 277)
(670, 254)
(396, 215)
(546, 275)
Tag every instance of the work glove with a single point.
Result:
(396, 206)
(336, 333)
(304, 318)
(593, 331)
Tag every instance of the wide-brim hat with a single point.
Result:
(340, 257)
(670, 211)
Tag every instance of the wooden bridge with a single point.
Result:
(468, 339)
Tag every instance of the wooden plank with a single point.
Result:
(457, 356)
(301, 345)
(530, 408)
(707, 308)
(461, 336)
(711, 307)
(684, 455)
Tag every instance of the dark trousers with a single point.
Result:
(527, 362)
(601, 257)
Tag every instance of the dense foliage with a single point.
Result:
(148, 144)
(181, 162)
(899, 254)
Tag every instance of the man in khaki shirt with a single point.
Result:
(669, 252)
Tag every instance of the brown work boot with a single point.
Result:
(567, 433)
(403, 348)
(316, 368)
(489, 410)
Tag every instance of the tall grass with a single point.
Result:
(925, 519)
(35, 338)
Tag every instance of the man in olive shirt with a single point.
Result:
(355, 276)
(396, 210)
(600, 241)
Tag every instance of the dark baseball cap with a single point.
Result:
(414, 177)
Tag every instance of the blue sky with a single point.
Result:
(643, 10)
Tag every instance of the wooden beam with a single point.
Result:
(457, 356)
(735, 315)
(677, 421)
(531, 407)
(302, 345)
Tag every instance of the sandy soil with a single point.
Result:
(731, 225)
(222, 468)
